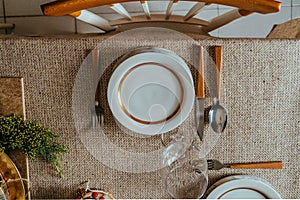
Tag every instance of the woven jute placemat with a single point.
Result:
(260, 89)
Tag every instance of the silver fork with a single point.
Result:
(216, 165)
(99, 115)
(98, 108)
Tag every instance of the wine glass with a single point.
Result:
(188, 180)
(186, 174)
(176, 149)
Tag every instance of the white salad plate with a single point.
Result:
(151, 91)
(242, 187)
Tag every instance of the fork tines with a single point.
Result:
(99, 113)
(210, 164)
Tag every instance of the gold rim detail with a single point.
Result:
(245, 188)
(140, 120)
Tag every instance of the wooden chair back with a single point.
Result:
(79, 10)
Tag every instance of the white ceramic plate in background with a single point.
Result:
(151, 91)
(242, 187)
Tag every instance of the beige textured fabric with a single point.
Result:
(289, 29)
(260, 84)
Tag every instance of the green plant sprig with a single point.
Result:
(31, 139)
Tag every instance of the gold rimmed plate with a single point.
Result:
(13, 187)
(147, 100)
(151, 91)
(242, 186)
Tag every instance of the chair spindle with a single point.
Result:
(120, 10)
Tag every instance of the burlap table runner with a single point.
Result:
(260, 83)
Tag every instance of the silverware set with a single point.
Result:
(217, 114)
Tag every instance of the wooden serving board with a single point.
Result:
(12, 102)
(11, 96)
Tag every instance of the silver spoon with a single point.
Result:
(218, 114)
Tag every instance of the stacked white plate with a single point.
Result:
(151, 91)
(242, 187)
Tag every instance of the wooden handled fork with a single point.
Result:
(216, 165)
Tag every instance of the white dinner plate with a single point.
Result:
(151, 91)
(242, 187)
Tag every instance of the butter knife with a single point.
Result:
(200, 98)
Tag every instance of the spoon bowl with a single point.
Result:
(218, 114)
(217, 117)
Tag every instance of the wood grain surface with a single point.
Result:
(12, 102)
(11, 96)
